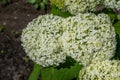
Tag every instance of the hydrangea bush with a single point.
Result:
(59, 46)
(49, 39)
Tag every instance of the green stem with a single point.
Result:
(36, 72)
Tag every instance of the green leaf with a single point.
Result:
(117, 54)
(31, 1)
(118, 16)
(117, 30)
(45, 1)
(65, 14)
(56, 11)
(36, 72)
(42, 5)
(2, 28)
(36, 6)
(61, 74)
(112, 16)
(67, 64)
(117, 27)
(107, 10)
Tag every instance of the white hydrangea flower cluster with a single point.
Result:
(76, 6)
(113, 4)
(79, 6)
(40, 41)
(48, 39)
(101, 70)
(89, 37)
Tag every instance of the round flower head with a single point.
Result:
(105, 70)
(88, 37)
(40, 42)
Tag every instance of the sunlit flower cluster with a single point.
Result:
(48, 39)
(79, 6)
(101, 70)
(40, 41)
(88, 37)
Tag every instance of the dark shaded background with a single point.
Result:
(14, 64)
